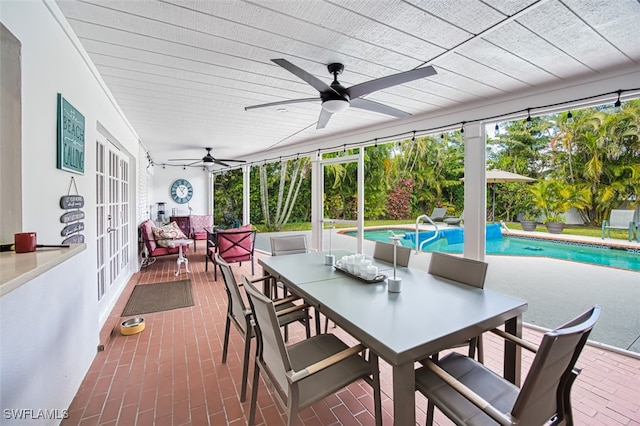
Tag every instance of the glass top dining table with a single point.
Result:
(428, 315)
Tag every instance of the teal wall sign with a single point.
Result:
(70, 137)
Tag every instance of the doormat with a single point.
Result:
(147, 298)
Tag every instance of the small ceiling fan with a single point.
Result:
(208, 159)
(336, 98)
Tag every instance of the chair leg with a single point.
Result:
(430, 408)
(225, 344)
(245, 367)
(307, 326)
(480, 345)
(254, 394)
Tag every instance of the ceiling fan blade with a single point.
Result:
(323, 119)
(377, 107)
(367, 87)
(183, 159)
(229, 159)
(195, 162)
(222, 163)
(318, 84)
(290, 101)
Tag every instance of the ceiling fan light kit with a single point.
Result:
(336, 98)
(335, 106)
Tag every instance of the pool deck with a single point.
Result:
(555, 290)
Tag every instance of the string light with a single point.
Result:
(497, 129)
(569, 117)
(413, 139)
(394, 137)
(529, 123)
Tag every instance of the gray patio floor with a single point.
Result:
(556, 290)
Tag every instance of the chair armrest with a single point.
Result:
(294, 376)
(467, 393)
(291, 298)
(291, 309)
(515, 339)
(262, 278)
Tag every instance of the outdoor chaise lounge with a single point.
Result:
(454, 221)
(438, 214)
(619, 219)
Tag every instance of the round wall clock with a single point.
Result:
(181, 191)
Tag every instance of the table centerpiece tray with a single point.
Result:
(378, 278)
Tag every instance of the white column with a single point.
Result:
(246, 194)
(317, 203)
(475, 191)
(361, 200)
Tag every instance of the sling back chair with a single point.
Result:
(284, 245)
(307, 371)
(470, 394)
(384, 251)
(468, 272)
(241, 317)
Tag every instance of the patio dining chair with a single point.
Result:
(619, 219)
(308, 371)
(283, 245)
(384, 251)
(234, 245)
(469, 393)
(468, 272)
(241, 317)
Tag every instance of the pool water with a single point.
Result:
(516, 246)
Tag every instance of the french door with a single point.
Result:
(112, 220)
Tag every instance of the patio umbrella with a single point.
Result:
(501, 176)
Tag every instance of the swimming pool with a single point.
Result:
(516, 246)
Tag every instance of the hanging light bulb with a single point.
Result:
(569, 117)
(529, 123)
(496, 129)
(462, 127)
(413, 139)
(618, 103)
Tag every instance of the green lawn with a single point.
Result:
(585, 231)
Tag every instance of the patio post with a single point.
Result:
(475, 191)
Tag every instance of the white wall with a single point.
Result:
(161, 189)
(43, 360)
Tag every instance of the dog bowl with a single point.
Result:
(132, 326)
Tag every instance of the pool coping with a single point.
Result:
(629, 246)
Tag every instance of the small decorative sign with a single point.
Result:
(74, 239)
(71, 202)
(70, 229)
(70, 137)
(72, 216)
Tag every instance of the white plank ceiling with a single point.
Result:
(184, 70)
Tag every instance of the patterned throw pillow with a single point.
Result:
(168, 232)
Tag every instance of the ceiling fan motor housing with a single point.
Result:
(338, 92)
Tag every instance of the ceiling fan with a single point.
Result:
(207, 159)
(336, 98)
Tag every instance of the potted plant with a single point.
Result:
(554, 198)
(529, 220)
